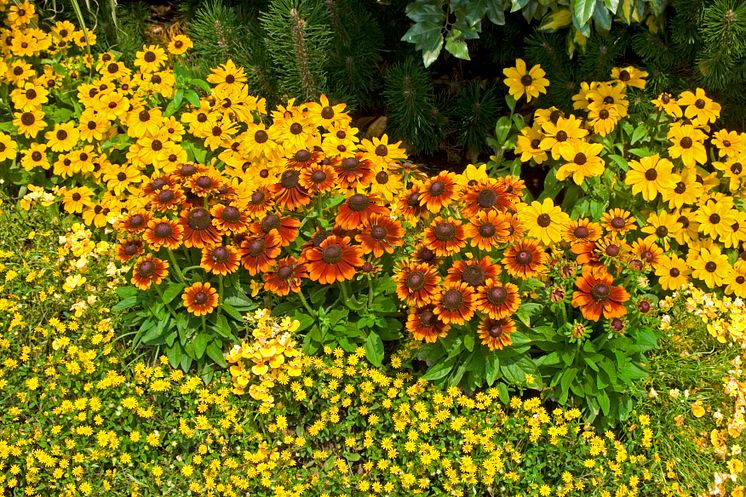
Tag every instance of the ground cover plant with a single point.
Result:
(262, 254)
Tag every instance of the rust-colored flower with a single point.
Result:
(158, 183)
(135, 222)
(485, 196)
(204, 183)
(424, 254)
(513, 187)
(596, 295)
(286, 227)
(438, 191)
(228, 219)
(198, 229)
(618, 221)
(167, 198)
(163, 232)
(289, 193)
(148, 271)
(318, 178)
(516, 229)
(582, 230)
(408, 205)
(286, 277)
(455, 303)
(129, 249)
(333, 260)
(495, 333)
(498, 300)
(354, 172)
(425, 325)
(258, 252)
(221, 259)
(445, 236)
(260, 201)
(357, 210)
(648, 251)
(380, 235)
(473, 272)
(487, 229)
(524, 259)
(417, 283)
(200, 299)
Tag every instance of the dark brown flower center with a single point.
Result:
(256, 247)
(27, 119)
(204, 182)
(612, 250)
(200, 298)
(413, 200)
(146, 268)
(149, 56)
(261, 136)
(680, 187)
(332, 254)
(318, 176)
(714, 218)
(144, 116)
(112, 67)
(684, 221)
(30, 94)
(415, 281)
(535, 143)
(617, 324)
(92, 125)
(544, 220)
(608, 100)
(740, 280)
(188, 170)
(378, 232)
(604, 114)
(736, 168)
(271, 222)
(358, 202)
(473, 275)
(624, 75)
(561, 136)
(618, 223)
(231, 214)
(178, 44)
(524, 257)
(526, 80)
(156, 145)
(580, 158)
(382, 177)
(651, 174)
(163, 230)
(36, 156)
(487, 230)
(427, 318)
(137, 221)
(76, 197)
(453, 299)
(199, 219)
(350, 164)
(600, 292)
(382, 150)
(437, 188)
(674, 272)
(581, 232)
(711, 267)
(296, 128)
(220, 254)
(166, 196)
(289, 179)
(302, 156)
(497, 295)
(496, 330)
(445, 231)
(486, 198)
(686, 142)
(661, 232)
(699, 103)
(327, 112)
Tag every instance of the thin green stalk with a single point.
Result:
(345, 292)
(176, 267)
(163, 299)
(305, 304)
(370, 292)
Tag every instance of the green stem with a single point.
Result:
(370, 292)
(220, 289)
(163, 299)
(345, 291)
(204, 324)
(305, 304)
(176, 267)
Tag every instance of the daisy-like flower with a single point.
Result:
(8, 148)
(560, 136)
(148, 271)
(286, 277)
(128, 249)
(417, 283)
(650, 176)
(354, 172)
(258, 252)
(179, 44)
(498, 300)
(737, 281)
(357, 210)
(380, 235)
(335, 259)
(455, 303)
(667, 104)
(495, 333)
(289, 193)
(672, 272)
(648, 252)
(529, 145)
(380, 151)
(729, 143)
(29, 123)
(603, 119)
(544, 221)
(473, 272)
(582, 161)
(596, 295)
(220, 259)
(74, 200)
(228, 219)
(425, 325)
(164, 232)
(582, 230)
(200, 299)
(710, 266)
(699, 107)
(629, 76)
(445, 236)
(487, 229)
(661, 227)
(523, 81)
(524, 259)
(687, 190)
(688, 143)
(715, 218)
(150, 58)
(198, 229)
(488, 195)
(287, 227)
(226, 75)
(437, 192)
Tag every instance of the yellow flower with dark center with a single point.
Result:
(688, 143)
(520, 80)
(715, 218)
(380, 151)
(710, 266)
(673, 272)
(582, 162)
(699, 107)
(29, 123)
(35, 156)
(667, 104)
(651, 175)
(736, 235)
(143, 121)
(8, 148)
(559, 136)
(74, 200)
(29, 96)
(728, 142)
(690, 227)
(733, 171)
(686, 192)
(581, 99)
(63, 137)
(227, 74)
(629, 76)
(608, 96)
(603, 119)
(529, 145)
(661, 226)
(179, 44)
(737, 281)
(544, 221)
(150, 58)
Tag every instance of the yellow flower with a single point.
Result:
(521, 81)
(699, 107)
(698, 409)
(687, 142)
(582, 162)
(544, 221)
(651, 175)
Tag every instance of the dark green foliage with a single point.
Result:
(476, 110)
(298, 41)
(129, 32)
(410, 105)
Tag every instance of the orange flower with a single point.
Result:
(261, 201)
(318, 178)
(380, 235)
(258, 252)
(498, 300)
(438, 191)
(333, 260)
(455, 304)
(148, 271)
(164, 233)
(582, 230)
(485, 196)
(409, 205)
(128, 249)
(357, 209)
(228, 219)
(287, 227)
(286, 277)
(354, 172)
(618, 221)
(167, 198)
(198, 229)
(417, 283)
(596, 295)
(289, 193)
(495, 333)
(200, 299)
(204, 183)
(220, 260)
(135, 222)
(425, 324)
(445, 236)
(473, 272)
(487, 229)
(524, 259)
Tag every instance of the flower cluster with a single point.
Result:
(269, 359)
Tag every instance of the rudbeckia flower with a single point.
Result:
(597, 296)
(522, 81)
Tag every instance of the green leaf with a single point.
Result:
(125, 304)
(172, 291)
(231, 311)
(214, 353)
(456, 45)
(604, 402)
(502, 390)
(517, 5)
(174, 356)
(582, 11)
(469, 342)
(374, 349)
(568, 376)
(192, 97)
(440, 370)
(640, 132)
(222, 326)
(200, 345)
(492, 367)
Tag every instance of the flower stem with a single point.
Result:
(163, 299)
(176, 267)
(370, 292)
(305, 304)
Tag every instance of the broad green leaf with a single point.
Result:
(440, 370)
(456, 45)
(374, 349)
(172, 291)
(200, 344)
(125, 304)
(582, 11)
(192, 97)
(174, 356)
(469, 342)
(214, 353)
(640, 132)
(603, 402)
